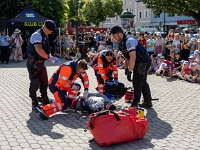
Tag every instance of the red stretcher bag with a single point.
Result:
(114, 127)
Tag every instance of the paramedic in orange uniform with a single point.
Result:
(63, 87)
(105, 67)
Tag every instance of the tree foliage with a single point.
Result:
(53, 9)
(96, 11)
(184, 7)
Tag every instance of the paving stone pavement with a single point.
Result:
(174, 120)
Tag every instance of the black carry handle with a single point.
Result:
(103, 113)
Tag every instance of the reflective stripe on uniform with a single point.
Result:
(67, 84)
(100, 91)
(54, 107)
(71, 96)
(63, 77)
(115, 72)
(84, 74)
(100, 65)
(59, 106)
(100, 85)
(114, 66)
(86, 82)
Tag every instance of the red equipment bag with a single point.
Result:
(114, 127)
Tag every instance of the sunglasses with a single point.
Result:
(108, 53)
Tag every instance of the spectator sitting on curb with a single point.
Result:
(194, 74)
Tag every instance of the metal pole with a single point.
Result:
(77, 23)
(164, 23)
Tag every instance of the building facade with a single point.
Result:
(146, 20)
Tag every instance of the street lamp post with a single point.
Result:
(164, 22)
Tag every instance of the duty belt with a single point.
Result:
(39, 61)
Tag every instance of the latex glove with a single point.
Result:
(85, 94)
(110, 83)
(52, 59)
(116, 81)
(129, 76)
(126, 70)
(57, 61)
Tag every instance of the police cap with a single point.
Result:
(115, 29)
(50, 25)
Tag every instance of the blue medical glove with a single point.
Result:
(57, 61)
(52, 59)
(110, 83)
(116, 81)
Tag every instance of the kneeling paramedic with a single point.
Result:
(38, 52)
(64, 89)
(136, 61)
(105, 67)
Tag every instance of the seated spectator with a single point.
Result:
(191, 60)
(121, 60)
(177, 64)
(170, 67)
(78, 54)
(101, 46)
(197, 58)
(154, 64)
(186, 70)
(194, 74)
(162, 68)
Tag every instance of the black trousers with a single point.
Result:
(141, 86)
(40, 82)
(5, 54)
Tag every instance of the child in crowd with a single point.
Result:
(177, 64)
(194, 74)
(191, 60)
(101, 46)
(162, 68)
(197, 58)
(154, 63)
(78, 54)
(170, 67)
(185, 70)
(121, 60)
(198, 44)
(91, 53)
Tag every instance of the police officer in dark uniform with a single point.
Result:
(38, 52)
(136, 61)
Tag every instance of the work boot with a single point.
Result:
(45, 100)
(39, 99)
(40, 112)
(146, 104)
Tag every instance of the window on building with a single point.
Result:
(171, 15)
(156, 16)
(146, 14)
(116, 17)
(124, 2)
(139, 14)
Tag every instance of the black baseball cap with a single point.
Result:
(114, 29)
(50, 25)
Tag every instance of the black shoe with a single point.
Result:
(145, 104)
(40, 112)
(6, 62)
(134, 105)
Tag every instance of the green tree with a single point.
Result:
(184, 7)
(96, 11)
(53, 9)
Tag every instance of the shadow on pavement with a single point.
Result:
(41, 127)
(157, 128)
